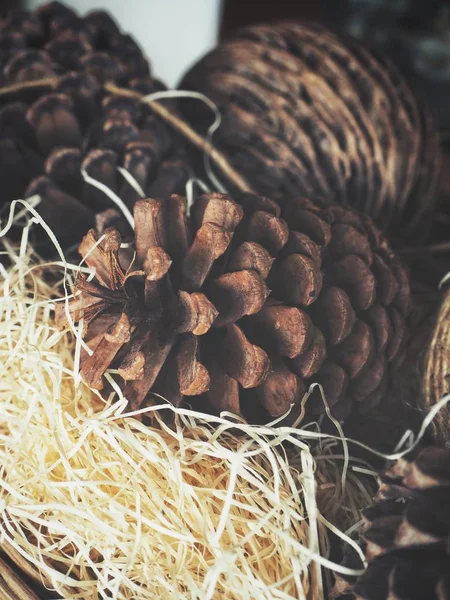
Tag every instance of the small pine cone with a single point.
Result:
(308, 112)
(240, 310)
(407, 532)
(47, 135)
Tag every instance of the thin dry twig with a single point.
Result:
(28, 85)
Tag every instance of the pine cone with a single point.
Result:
(240, 310)
(305, 111)
(47, 135)
(407, 531)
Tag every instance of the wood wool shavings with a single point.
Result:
(106, 507)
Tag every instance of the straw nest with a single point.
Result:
(100, 505)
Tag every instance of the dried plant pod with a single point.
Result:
(436, 371)
(57, 129)
(308, 112)
(406, 533)
(209, 314)
(12, 585)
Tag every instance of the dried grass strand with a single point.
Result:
(14, 88)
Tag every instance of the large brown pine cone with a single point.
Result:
(241, 309)
(306, 111)
(48, 134)
(407, 532)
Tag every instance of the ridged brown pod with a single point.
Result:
(57, 120)
(307, 112)
(436, 370)
(237, 307)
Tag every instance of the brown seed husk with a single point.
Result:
(436, 372)
(307, 112)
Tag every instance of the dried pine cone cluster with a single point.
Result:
(242, 309)
(306, 111)
(48, 135)
(407, 532)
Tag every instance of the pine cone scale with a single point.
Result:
(299, 280)
(280, 390)
(281, 330)
(210, 242)
(197, 314)
(151, 231)
(357, 279)
(236, 295)
(378, 318)
(95, 366)
(193, 377)
(53, 123)
(241, 360)
(369, 379)
(335, 314)
(251, 256)
(307, 364)
(103, 258)
(356, 351)
(348, 240)
(155, 350)
(269, 231)
(54, 203)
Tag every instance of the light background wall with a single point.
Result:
(173, 33)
